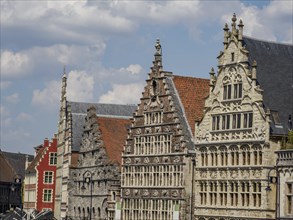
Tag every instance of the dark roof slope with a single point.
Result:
(17, 162)
(114, 134)
(79, 111)
(192, 92)
(33, 164)
(275, 76)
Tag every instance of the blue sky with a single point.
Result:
(107, 48)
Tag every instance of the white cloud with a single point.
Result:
(5, 84)
(13, 64)
(4, 111)
(13, 99)
(80, 86)
(123, 94)
(24, 117)
(49, 96)
(134, 68)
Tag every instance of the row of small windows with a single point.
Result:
(161, 175)
(85, 212)
(233, 157)
(237, 91)
(232, 121)
(153, 118)
(152, 144)
(136, 209)
(225, 193)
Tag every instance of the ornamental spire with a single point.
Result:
(158, 55)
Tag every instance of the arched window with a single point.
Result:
(223, 155)
(257, 153)
(213, 156)
(234, 155)
(245, 150)
(204, 156)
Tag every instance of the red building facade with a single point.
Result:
(43, 167)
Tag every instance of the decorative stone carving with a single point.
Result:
(127, 192)
(146, 160)
(145, 192)
(175, 193)
(137, 160)
(176, 159)
(165, 192)
(127, 160)
(155, 193)
(158, 129)
(157, 160)
(138, 131)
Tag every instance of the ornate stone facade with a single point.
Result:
(93, 185)
(156, 162)
(70, 129)
(233, 150)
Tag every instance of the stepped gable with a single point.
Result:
(275, 76)
(113, 134)
(192, 92)
(39, 152)
(78, 111)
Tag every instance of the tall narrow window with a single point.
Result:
(238, 91)
(247, 120)
(232, 56)
(289, 198)
(48, 177)
(227, 92)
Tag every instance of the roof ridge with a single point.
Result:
(268, 41)
(190, 77)
(99, 103)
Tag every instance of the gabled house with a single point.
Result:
(246, 114)
(72, 120)
(40, 178)
(157, 161)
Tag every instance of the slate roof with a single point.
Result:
(192, 92)
(114, 133)
(79, 111)
(16, 162)
(275, 76)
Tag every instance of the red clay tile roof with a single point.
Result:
(192, 92)
(114, 133)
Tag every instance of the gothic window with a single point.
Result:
(245, 155)
(223, 156)
(204, 156)
(234, 155)
(151, 118)
(289, 202)
(203, 193)
(234, 193)
(223, 193)
(227, 92)
(216, 123)
(257, 153)
(236, 121)
(237, 90)
(232, 56)
(247, 120)
(245, 194)
(213, 156)
(256, 194)
(213, 193)
(225, 122)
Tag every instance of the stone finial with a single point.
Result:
(240, 32)
(158, 57)
(212, 78)
(226, 34)
(158, 47)
(234, 30)
(254, 64)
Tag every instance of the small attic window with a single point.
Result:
(276, 117)
(232, 56)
